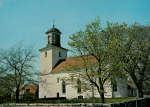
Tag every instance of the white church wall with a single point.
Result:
(45, 61)
(58, 54)
(49, 57)
(50, 87)
(122, 90)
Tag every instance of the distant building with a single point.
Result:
(29, 91)
(53, 60)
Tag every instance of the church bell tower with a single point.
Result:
(53, 37)
(52, 53)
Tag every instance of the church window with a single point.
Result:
(46, 54)
(57, 80)
(54, 39)
(48, 39)
(63, 87)
(57, 95)
(78, 86)
(59, 54)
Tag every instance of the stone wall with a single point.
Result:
(145, 102)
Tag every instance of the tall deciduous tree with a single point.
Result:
(135, 56)
(18, 64)
(6, 86)
(95, 46)
(117, 49)
(131, 53)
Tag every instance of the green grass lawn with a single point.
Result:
(75, 100)
(90, 100)
(98, 100)
(113, 100)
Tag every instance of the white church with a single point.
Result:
(53, 59)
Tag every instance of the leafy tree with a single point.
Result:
(131, 51)
(17, 63)
(135, 55)
(95, 46)
(117, 49)
(6, 86)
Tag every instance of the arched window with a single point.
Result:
(57, 80)
(58, 95)
(63, 87)
(78, 86)
(59, 54)
(48, 40)
(45, 53)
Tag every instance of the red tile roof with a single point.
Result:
(32, 88)
(74, 63)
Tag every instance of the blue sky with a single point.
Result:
(28, 20)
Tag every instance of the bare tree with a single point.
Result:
(18, 62)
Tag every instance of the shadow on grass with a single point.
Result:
(75, 100)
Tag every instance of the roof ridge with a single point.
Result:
(76, 56)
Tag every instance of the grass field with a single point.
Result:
(75, 100)
(90, 100)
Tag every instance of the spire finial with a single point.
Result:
(53, 23)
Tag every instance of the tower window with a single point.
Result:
(63, 87)
(48, 39)
(54, 40)
(78, 86)
(59, 54)
(46, 54)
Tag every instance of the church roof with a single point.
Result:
(32, 88)
(73, 63)
(50, 46)
(53, 29)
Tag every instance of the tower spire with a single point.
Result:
(53, 23)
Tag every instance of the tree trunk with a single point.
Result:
(17, 96)
(102, 97)
(92, 91)
(140, 89)
(139, 93)
(139, 85)
(101, 92)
